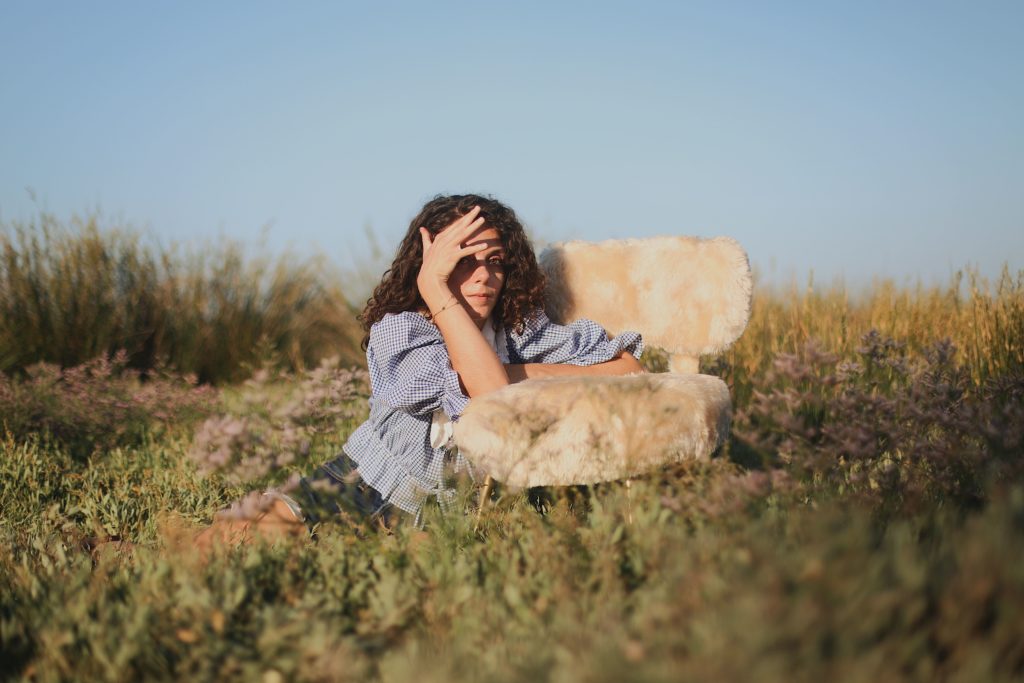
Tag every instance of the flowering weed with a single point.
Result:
(101, 404)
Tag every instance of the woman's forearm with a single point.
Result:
(472, 357)
(623, 364)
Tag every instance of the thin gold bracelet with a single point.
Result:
(444, 308)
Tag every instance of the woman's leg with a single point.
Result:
(336, 492)
(333, 492)
(277, 520)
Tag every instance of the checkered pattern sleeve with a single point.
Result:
(410, 369)
(583, 342)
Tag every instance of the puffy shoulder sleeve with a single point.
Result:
(409, 367)
(584, 342)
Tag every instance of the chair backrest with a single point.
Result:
(686, 295)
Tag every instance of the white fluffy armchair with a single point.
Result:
(687, 296)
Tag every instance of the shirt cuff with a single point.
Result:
(608, 349)
(453, 401)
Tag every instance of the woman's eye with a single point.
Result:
(496, 261)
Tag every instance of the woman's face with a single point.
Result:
(477, 279)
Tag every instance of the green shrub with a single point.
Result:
(704, 573)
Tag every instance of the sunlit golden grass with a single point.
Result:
(71, 293)
(984, 320)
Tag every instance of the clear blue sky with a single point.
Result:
(851, 138)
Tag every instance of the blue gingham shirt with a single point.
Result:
(411, 376)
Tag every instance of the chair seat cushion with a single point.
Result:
(584, 430)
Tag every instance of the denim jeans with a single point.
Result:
(335, 492)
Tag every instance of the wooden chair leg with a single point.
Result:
(629, 502)
(485, 495)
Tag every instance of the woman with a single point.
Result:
(458, 314)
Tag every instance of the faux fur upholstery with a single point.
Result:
(584, 430)
(686, 295)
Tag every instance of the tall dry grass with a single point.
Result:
(71, 293)
(984, 321)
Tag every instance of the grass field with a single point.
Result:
(865, 522)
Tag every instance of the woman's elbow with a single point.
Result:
(629, 365)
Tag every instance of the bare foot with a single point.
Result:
(278, 521)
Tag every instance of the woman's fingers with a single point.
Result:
(457, 235)
(456, 251)
(441, 252)
(458, 230)
(460, 222)
(468, 217)
(473, 227)
(473, 249)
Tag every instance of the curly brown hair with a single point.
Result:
(522, 294)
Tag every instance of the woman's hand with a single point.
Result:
(442, 253)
